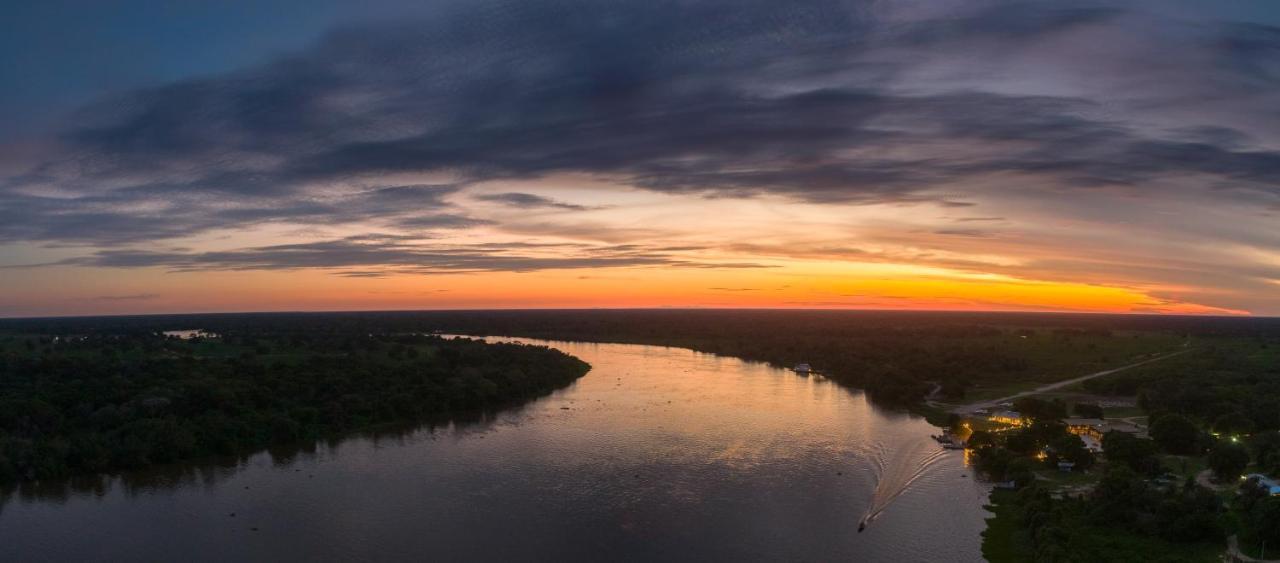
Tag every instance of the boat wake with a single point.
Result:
(896, 470)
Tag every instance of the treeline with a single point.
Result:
(896, 357)
(105, 400)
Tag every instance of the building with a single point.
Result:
(1126, 427)
(1007, 417)
(1090, 427)
(1095, 428)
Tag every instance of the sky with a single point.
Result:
(160, 157)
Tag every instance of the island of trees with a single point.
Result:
(101, 395)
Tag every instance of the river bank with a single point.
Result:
(656, 454)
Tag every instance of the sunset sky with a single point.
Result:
(318, 155)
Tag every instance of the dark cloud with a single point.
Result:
(719, 98)
(821, 101)
(529, 201)
(369, 256)
(119, 218)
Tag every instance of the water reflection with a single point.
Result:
(657, 454)
(207, 473)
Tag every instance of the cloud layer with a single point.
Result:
(1038, 114)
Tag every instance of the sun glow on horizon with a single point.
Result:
(791, 284)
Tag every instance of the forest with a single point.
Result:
(1212, 412)
(897, 356)
(102, 395)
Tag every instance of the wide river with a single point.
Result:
(656, 454)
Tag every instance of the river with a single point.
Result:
(656, 454)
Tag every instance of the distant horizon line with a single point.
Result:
(572, 309)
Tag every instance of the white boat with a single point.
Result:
(802, 368)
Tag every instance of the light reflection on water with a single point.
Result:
(657, 454)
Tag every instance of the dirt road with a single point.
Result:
(969, 408)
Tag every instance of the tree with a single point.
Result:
(1228, 460)
(1046, 432)
(1233, 423)
(1120, 496)
(1136, 453)
(981, 439)
(1266, 450)
(1021, 442)
(1190, 515)
(1039, 409)
(1021, 471)
(1264, 520)
(1071, 448)
(1176, 434)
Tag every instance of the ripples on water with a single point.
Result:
(657, 454)
(896, 467)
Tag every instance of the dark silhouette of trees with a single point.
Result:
(1176, 434)
(114, 398)
(1228, 460)
(1233, 423)
(1070, 448)
(1138, 454)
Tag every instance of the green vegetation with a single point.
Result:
(1176, 434)
(1214, 408)
(115, 397)
(1031, 526)
(1260, 521)
(1228, 460)
(1229, 384)
(1004, 541)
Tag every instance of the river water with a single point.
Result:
(656, 454)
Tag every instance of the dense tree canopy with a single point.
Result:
(1138, 454)
(1228, 460)
(114, 399)
(1176, 434)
